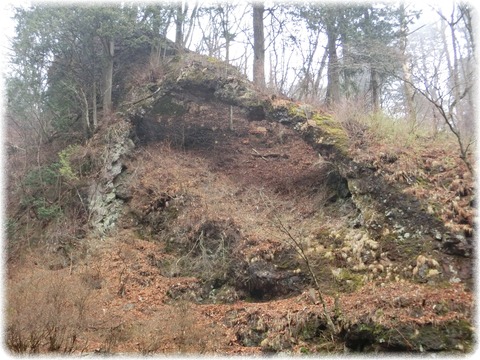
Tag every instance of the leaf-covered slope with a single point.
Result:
(200, 176)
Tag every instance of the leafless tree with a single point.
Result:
(258, 45)
(444, 75)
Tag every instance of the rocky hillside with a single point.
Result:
(210, 209)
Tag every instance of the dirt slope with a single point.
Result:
(200, 258)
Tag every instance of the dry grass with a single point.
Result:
(208, 195)
(214, 222)
(177, 330)
(177, 172)
(366, 129)
(46, 312)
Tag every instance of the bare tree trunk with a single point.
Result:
(272, 80)
(245, 64)
(468, 74)
(456, 81)
(179, 26)
(446, 112)
(409, 95)
(333, 73)
(226, 34)
(452, 68)
(94, 106)
(164, 34)
(461, 108)
(316, 86)
(347, 71)
(109, 47)
(86, 124)
(407, 74)
(374, 78)
(155, 52)
(191, 26)
(227, 50)
(374, 88)
(258, 46)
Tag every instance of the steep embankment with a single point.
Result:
(206, 185)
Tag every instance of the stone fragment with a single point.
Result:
(432, 273)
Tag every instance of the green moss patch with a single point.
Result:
(331, 132)
(452, 336)
(347, 281)
(318, 127)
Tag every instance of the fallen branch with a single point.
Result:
(135, 102)
(270, 155)
(258, 154)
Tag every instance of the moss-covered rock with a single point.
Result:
(324, 130)
(331, 132)
(347, 280)
(321, 130)
(215, 80)
(452, 336)
(104, 204)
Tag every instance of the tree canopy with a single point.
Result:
(385, 56)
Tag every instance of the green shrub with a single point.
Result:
(42, 185)
(65, 166)
(46, 211)
(42, 176)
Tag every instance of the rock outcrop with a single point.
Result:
(382, 235)
(108, 193)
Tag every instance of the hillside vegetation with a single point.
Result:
(206, 216)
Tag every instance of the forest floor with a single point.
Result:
(139, 301)
(202, 259)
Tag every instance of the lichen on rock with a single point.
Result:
(104, 205)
